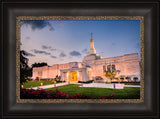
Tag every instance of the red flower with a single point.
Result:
(102, 97)
(43, 94)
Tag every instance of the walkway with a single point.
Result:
(96, 85)
(111, 85)
(132, 86)
(50, 86)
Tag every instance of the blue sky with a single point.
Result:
(63, 41)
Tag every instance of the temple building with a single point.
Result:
(92, 66)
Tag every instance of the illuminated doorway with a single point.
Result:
(73, 76)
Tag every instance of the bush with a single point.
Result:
(135, 79)
(98, 78)
(46, 79)
(90, 81)
(29, 79)
(128, 77)
(37, 79)
(43, 94)
(132, 83)
(59, 81)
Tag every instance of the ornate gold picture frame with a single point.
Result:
(19, 18)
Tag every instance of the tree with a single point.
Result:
(109, 74)
(128, 78)
(135, 79)
(24, 68)
(39, 64)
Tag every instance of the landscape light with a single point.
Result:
(22, 86)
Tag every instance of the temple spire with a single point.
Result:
(91, 35)
(92, 49)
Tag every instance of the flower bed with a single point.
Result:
(43, 94)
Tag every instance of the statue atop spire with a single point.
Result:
(92, 49)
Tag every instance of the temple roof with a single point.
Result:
(91, 57)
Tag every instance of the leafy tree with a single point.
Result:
(24, 68)
(128, 78)
(109, 74)
(135, 79)
(39, 64)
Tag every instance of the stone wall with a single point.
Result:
(127, 65)
(51, 72)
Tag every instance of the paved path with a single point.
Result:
(111, 85)
(132, 86)
(96, 85)
(49, 86)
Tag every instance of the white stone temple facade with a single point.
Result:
(92, 66)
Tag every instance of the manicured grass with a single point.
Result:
(36, 83)
(126, 93)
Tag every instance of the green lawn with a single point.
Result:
(36, 83)
(126, 93)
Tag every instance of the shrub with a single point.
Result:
(57, 78)
(37, 79)
(43, 94)
(59, 81)
(98, 78)
(90, 81)
(135, 79)
(128, 77)
(116, 78)
(29, 79)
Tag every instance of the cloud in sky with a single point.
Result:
(75, 53)
(29, 54)
(62, 54)
(48, 48)
(85, 51)
(62, 40)
(53, 56)
(37, 24)
(41, 52)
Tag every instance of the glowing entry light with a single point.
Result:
(41, 84)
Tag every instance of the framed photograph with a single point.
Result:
(80, 59)
(72, 70)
